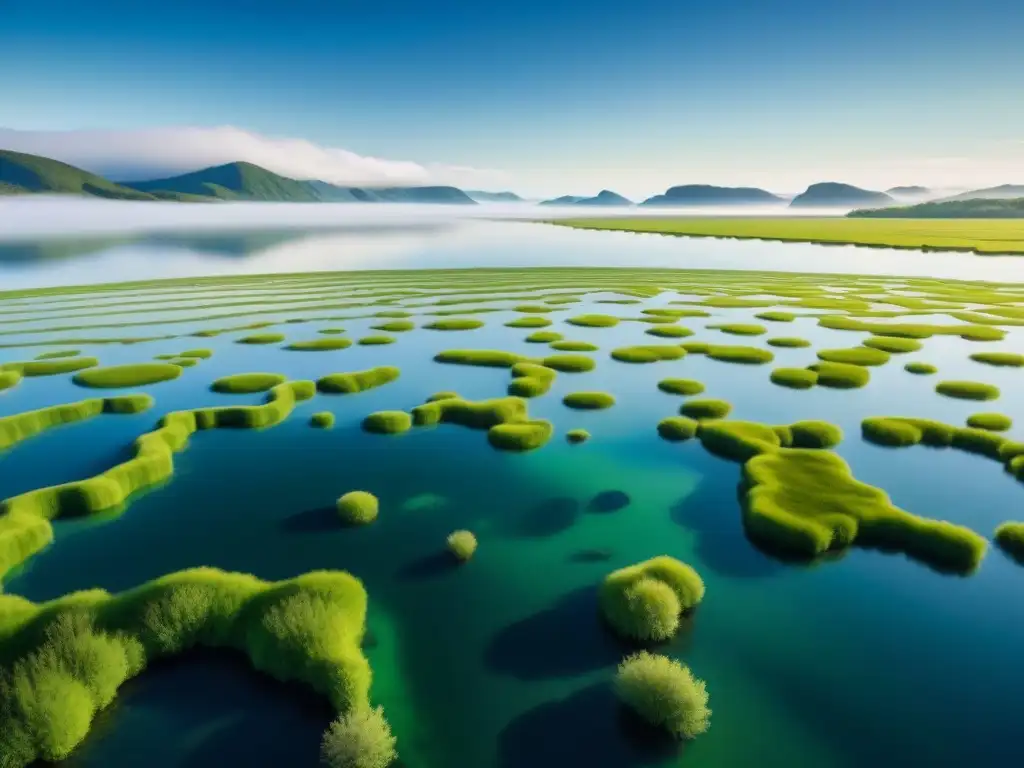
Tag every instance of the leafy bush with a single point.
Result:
(664, 693)
(357, 507)
(359, 739)
(462, 545)
(644, 601)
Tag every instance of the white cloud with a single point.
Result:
(156, 152)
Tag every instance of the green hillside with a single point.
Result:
(233, 181)
(952, 209)
(25, 174)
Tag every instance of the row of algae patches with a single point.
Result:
(25, 519)
(62, 662)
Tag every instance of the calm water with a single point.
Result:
(871, 659)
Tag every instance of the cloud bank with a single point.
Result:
(132, 155)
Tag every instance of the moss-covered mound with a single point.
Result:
(394, 326)
(197, 354)
(740, 329)
(357, 508)
(59, 354)
(841, 375)
(706, 408)
(360, 738)
(21, 426)
(664, 693)
(520, 436)
(922, 369)
(51, 367)
(1003, 359)
(376, 341)
(994, 422)
(357, 381)
(543, 337)
(594, 321)
(319, 345)
(184, 362)
(262, 338)
(506, 420)
(644, 601)
(574, 346)
(967, 390)
(681, 386)
(1010, 538)
(531, 380)
(576, 436)
(9, 379)
(898, 431)
(387, 422)
(677, 428)
(648, 353)
(726, 353)
(119, 376)
(776, 316)
(892, 344)
(589, 400)
(794, 378)
(461, 545)
(788, 341)
(322, 420)
(529, 322)
(62, 662)
(242, 383)
(669, 331)
(488, 358)
(854, 356)
(568, 363)
(455, 324)
(331, 331)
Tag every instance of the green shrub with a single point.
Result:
(59, 354)
(893, 344)
(589, 400)
(394, 326)
(543, 337)
(387, 422)
(574, 346)
(594, 321)
(994, 422)
(51, 367)
(530, 380)
(636, 604)
(1010, 538)
(455, 324)
(488, 358)
(854, 356)
(794, 378)
(322, 420)
(370, 341)
(262, 338)
(707, 408)
(360, 738)
(664, 693)
(669, 331)
(244, 383)
(841, 375)
(967, 390)
(319, 345)
(776, 316)
(520, 435)
(568, 363)
(133, 375)
(577, 436)
(528, 322)
(649, 353)
(1006, 359)
(9, 379)
(740, 329)
(920, 368)
(681, 386)
(357, 508)
(462, 545)
(357, 381)
(677, 428)
(738, 354)
(788, 341)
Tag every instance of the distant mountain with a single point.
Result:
(27, 174)
(831, 194)
(705, 194)
(603, 198)
(911, 191)
(1002, 192)
(494, 197)
(976, 208)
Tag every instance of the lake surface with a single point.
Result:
(867, 659)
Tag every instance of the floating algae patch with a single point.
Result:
(1002, 359)
(1010, 538)
(322, 420)
(245, 383)
(184, 362)
(912, 330)
(967, 390)
(58, 355)
(788, 341)
(528, 322)
(262, 338)
(594, 321)
(51, 367)
(198, 354)
(568, 363)
(395, 326)
(893, 344)
(677, 428)
(900, 432)
(376, 341)
(681, 386)
(740, 329)
(645, 601)
(455, 324)
(319, 345)
(21, 426)
(357, 381)
(854, 356)
(506, 420)
(577, 436)
(794, 378)
(132, 375)
(9, 379)
(840, 375)
(669, 331)
(776, 316)
(706, 408)
(543, 337)
(994, 422)
(357, 508)
(331, 331)
(573, 346)
(922, 369)
(531, 380)
(387, 422)
(664, 693)
(738, 354)
(648, 353)
(589, 400)
(488, 358)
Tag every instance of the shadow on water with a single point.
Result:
(548, 518)
(565, 733)
(609, 501)
(318, 520)
(428, 567)
(593, 555)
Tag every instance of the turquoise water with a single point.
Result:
(866, 659)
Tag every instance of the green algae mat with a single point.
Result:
(630, 538)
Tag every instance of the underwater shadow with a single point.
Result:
(436, 564)
(550, 517)
(592, 555)
(564, 640)
(609, 501)
(589, 728)
(316, 520)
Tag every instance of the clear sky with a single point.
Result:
(563, 97)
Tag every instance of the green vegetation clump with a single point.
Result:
(506, 420)
(576, 436)
(677, 428)
(794, 378)
(740, 329)
(488, 358)
(184, 362)
(357, 508)
(648, 353)
(59, 354)
(644, 601)
(573, 346)
(994, 422)
(589, 400)
(1010, 538)
(387, 422)
(262, 338)
(669, 331)
(696, 347)
(128, 403)
(920, 368)
(62, 662)
(320, 345)
(21, 426)
(133, 375)
(370, 341)
(594, 321)
(568, 363)
(967, 390)
(543, 337)
(462, 545)
(739, 354)
(664, 693)
(531, 380)
(840, 375)
(681, 386)
(854, 356)
(442, 396)
(331, 331)
(244, 383)
(776, 316)
(528, 322)
(395, 326)
(197, 354)
(894, 344)
(51, 367)
(707, 408)
(1002, 359)
(455, 324)
(896, 431)
(9, 379)
(322, 420)
(788, 341)
(356, 381)
(360, 738)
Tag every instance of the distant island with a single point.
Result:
(704, 194)
(975, 208)
(494, 197)
(831, 194)
(603, 198)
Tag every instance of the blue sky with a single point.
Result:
(563, 97)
